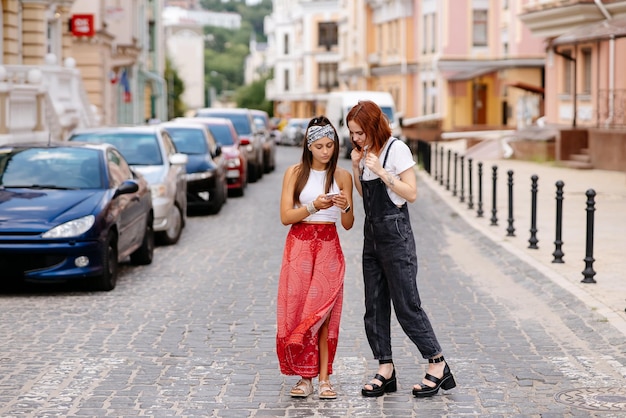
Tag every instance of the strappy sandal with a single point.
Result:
(386, 386)
(446, 382)
(326, 390)
(302, 389)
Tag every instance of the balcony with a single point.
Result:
(42, 102)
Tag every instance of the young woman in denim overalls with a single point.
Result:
(384, 166)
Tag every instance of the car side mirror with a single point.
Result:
(218, 151)
(178, 159)
(127, 186)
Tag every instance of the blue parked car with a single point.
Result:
(71, 211)
(207, 186)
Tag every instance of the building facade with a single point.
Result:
(303, 51)
(41, 91)
(449, 64)
(123, 61)
(585, 93)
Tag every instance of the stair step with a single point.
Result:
(582, 158)
(577, 164)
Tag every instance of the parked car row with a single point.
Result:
(74, 210)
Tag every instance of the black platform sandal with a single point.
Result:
(387, 385)
(446, 382)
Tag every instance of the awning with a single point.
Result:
(462, 70)
(606, 29)
(527, 87)
(160, 82)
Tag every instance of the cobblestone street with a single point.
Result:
(193, 334)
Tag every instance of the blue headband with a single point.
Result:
(316, 132)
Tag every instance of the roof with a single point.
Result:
(606, 29)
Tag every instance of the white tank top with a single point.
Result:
(315, 187)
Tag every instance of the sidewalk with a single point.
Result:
(608, 295)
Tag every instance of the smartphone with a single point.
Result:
(331, 195)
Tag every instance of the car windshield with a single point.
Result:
(51, 168)
(222, 134)
(241, 122)
(138, 148)
(188, 140)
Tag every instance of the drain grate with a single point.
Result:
(595, 399)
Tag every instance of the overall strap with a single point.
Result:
(387, 152)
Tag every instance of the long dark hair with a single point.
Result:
(304, 168)
(372, 121)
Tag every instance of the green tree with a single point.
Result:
(175, 88)
(226, 49)
(253, 96)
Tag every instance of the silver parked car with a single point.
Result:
(293, 132)
(150, 151)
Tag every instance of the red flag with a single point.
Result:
(126, 85)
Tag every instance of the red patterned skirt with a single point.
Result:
(310, 290)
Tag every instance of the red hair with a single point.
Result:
(372, 121)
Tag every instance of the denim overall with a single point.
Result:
(389, 273)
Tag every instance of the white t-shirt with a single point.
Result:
(399, 160)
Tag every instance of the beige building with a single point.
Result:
(41, 91)
(303, 50)
(68, 64)
(123, 61)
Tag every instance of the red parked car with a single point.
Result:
(236, 160)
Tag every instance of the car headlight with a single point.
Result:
(72, 228)
(199, 176)
(158, 190)
(233, 163)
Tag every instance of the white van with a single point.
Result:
(339, 104)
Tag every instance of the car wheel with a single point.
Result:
(175, 227)
(215, 205)
(267, 162)
(143, 255)
(108, 279)
(252, 173)
(260, 168)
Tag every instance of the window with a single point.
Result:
(567, 72)
(479, 28)
(586, 70)
(424, 98)
(327, 34)
(152, 36)
(433, 97)
(327, 77)
(286, 44)
(286, 80)
(433, 32)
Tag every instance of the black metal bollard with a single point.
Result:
(532, 241)
(448, 171)
(558, 243)
(456, 158)
(494, 210)
(479, 212)
(462, 198)
(441, 165)
(588, 272)
(435, 152)
(510, 230)
(470, 197)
